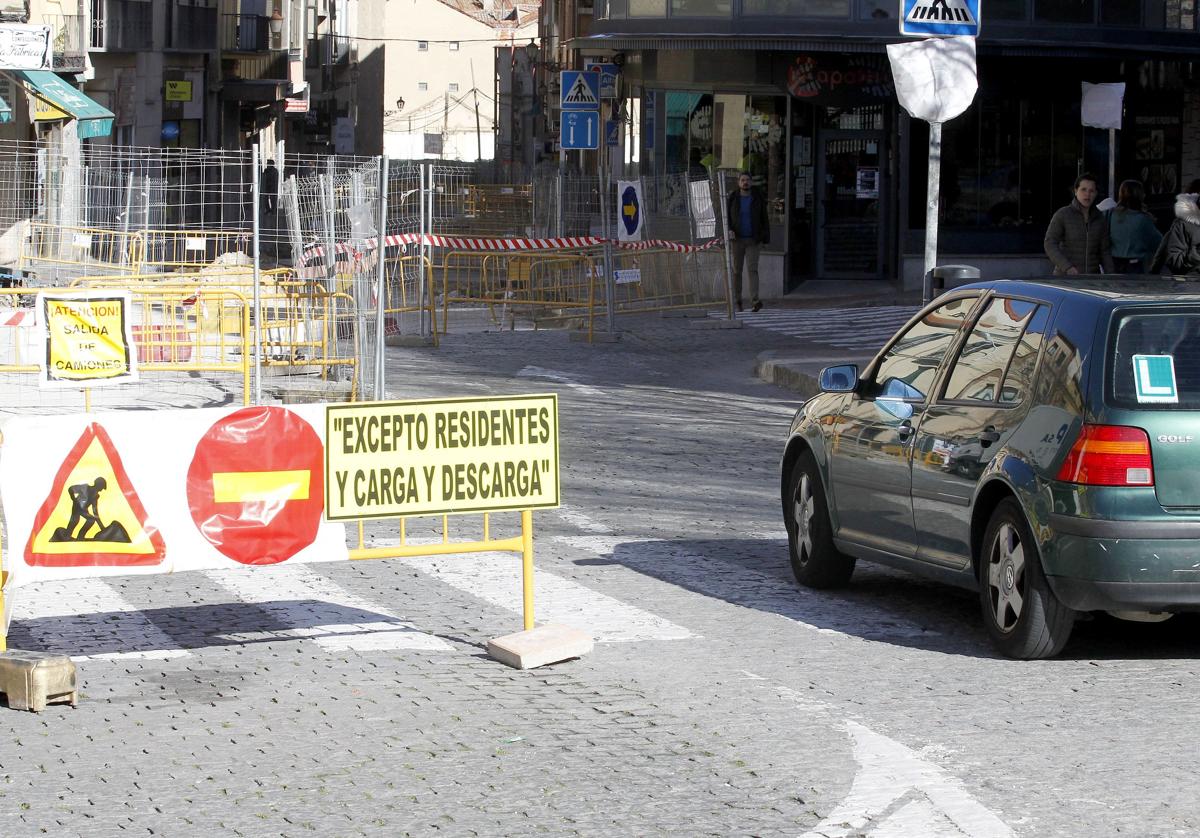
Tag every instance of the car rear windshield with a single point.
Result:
(1155, 360)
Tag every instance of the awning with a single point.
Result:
(681, 105)
(94, 119)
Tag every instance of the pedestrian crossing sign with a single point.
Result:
(580, 90)
(92, 516)
(939, 17)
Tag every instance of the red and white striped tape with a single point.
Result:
(508, 245)
(16, 317)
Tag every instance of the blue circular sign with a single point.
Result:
(631, 212)
(170, 130)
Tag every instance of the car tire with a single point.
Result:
(816, 562)
(1023, 616)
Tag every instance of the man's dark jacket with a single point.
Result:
(760, 226)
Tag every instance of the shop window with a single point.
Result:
(1121, 12)
(1009, 9)
(1065, 11)
(879, 9)
(1180, 14)
(689, 132)
(797, 8)
(647, 8)
(749, 136)
(700, 8)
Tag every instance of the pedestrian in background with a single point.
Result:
(1134, 237)
(1180, 249)
(749, 229)
(1077, 238)
(268, 187)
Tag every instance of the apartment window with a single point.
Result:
(422, 85)
(453, 87)
(454, 46)
(422, 46)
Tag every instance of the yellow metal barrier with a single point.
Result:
(89, 247)
(174, 329)
(657, 280)
(522, 543)
(194, 249)
(561, 285)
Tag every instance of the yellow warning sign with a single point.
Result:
(87, 339)
(177, 91)
(384, 459)
(92, 515)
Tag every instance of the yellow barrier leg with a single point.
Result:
(527, 564)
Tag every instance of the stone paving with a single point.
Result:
(730, 706)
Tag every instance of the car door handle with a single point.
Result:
(904, 430)
(988, 436)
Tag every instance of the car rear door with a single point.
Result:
(871, 439)
(982, 399)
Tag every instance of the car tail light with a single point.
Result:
(1109, 455)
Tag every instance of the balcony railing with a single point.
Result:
(69, 50)
(245, 33)
(122, 25)
(193, 27)
(335, 49)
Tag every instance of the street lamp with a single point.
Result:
(276, 22)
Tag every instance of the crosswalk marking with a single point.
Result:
(496, 578)
(865, 329)
(297, 596)
(100, 618)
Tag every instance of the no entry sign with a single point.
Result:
(256, 485)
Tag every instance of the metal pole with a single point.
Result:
(527, 566)
(254, 185)
(719, 179)
(380, 276)
(610, 286)
(558, 203)
(932, 197)
(1112, 163)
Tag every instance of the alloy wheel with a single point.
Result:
(1006, 578)
(803, 510)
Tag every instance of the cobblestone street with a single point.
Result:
(358, 698)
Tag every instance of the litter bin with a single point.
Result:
(936, 278)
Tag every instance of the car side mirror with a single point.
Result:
(840, 379)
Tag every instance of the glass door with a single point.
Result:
(850, 188)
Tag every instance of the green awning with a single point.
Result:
(94, 120)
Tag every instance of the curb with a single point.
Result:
(790, 372)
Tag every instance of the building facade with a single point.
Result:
(800, 93)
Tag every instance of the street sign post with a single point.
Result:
(939, 17)
(579, 130)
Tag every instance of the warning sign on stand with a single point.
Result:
(87, 339)
(432, 457)
(93, 516)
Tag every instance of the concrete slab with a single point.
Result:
(539, 646)
(31, 680)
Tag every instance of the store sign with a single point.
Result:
(177, 91)
(828, 77)
(25, 47)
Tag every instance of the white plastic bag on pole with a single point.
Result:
(935, 78)
(1101, 104)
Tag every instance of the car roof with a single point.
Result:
(1134, 289)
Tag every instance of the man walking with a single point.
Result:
(749, 229)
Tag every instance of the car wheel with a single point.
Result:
(1023, 616)
(815, 561)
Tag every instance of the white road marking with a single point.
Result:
(313, 606)
(91, 604)
(847, 328)
(576, 518)
(559, 378)
(725, 580)
(496, 578)
(896, 793)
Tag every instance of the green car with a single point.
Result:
(1036, 441)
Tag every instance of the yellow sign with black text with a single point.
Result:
(87, 339)
(386, 459)
(178, 91)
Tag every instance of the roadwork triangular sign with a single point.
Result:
(92, 516)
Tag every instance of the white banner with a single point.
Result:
(109, 494)
(1101, 104)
